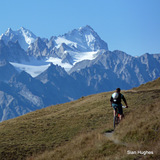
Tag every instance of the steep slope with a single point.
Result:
(75, 130)
(13, 104)
(24, 94)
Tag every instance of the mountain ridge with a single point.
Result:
(82, 65)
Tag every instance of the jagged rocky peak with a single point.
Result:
(24, 36)
(53, 71)
(55, 68)
(84, 39)
(87, 29)
(67, 58)
(82, 30)
(9, 31)
(22, 29)
(51, 43)
(63, 47)
(28, 34)
(40, 43)
(38, 49)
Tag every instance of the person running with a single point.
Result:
(116, 102)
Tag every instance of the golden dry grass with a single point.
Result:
(75, 130)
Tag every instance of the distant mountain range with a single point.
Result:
(37, 72)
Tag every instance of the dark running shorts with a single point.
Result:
(119, 106)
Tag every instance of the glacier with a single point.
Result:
(38, 72)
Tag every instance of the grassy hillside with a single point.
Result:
(75, 130)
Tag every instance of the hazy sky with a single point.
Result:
(132, 26)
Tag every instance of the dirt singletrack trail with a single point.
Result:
(110, 136)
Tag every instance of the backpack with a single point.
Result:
(116, 97)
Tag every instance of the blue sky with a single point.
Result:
(132, 26)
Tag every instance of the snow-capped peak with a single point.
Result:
(28, 35)
(9, 30)
(87, 28)
(65, 50)
(23, 36)
(86, 38)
